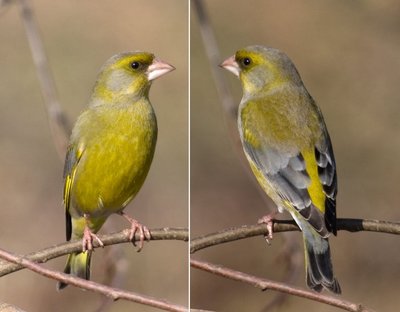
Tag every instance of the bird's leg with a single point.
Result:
(144, 232)
(269, 221)
(88, 236)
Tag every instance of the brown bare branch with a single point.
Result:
(109, 239)
(266, 284)
(111, 292)
(351, 225)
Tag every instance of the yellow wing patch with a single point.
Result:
(315, 188)
(70, 174)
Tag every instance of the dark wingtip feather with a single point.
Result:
(68, 225)
(330, 215)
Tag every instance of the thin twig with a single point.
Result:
(109, 239)
(266, 284)
(111, 292)
(351, 225)
(59, 125)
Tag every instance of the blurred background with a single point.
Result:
(79, 36)
(348, 54)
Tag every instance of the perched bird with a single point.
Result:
(110, 152)
(287, 144)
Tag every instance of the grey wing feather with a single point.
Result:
(287, 173)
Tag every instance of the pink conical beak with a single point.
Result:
(231, 65)
(158, 68)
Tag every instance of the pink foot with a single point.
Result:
(269, 221)
(144, 233)
(87, 239)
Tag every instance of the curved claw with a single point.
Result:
(87, 239)
(269, 221)
(144, 233)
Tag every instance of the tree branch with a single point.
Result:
(74, 246)
(351, 225)
(266, 284)
(111, 292)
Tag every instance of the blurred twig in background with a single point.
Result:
(58, 122)
(266, 284)
(212, 51)
(111, 292)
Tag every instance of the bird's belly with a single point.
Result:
(110, 175)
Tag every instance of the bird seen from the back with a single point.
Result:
(287, 144)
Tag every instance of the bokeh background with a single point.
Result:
(79, 36)
(348, 54)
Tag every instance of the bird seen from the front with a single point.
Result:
(110, 152)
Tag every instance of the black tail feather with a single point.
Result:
(319, 266)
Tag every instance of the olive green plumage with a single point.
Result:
(289, 150)
(111, 149)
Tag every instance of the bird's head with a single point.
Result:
(129, 74)
(261, 69)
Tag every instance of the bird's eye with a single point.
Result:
(135, 65)
(246, 61)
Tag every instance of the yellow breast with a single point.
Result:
(116, 159)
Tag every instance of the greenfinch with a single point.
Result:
(110, 152)
(287, 144)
